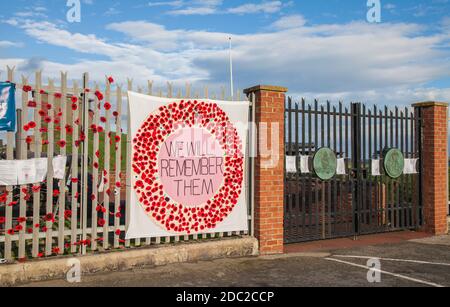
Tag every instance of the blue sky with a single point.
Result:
(321, 48)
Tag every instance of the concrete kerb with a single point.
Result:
(19, 273)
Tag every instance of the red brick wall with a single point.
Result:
(435, 166)
(269, 182)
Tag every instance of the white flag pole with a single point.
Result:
(231, 70)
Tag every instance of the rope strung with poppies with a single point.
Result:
(48, 115)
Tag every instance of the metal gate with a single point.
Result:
(357, 202)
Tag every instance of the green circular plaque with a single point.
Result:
(394, 163)
(325, 163)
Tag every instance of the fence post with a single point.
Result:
(269, 103)
(434, 167)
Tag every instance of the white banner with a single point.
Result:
(341, 167)
(304, 164)
(8, 172)
(376, 167)
(22, 172)
(59, 167)
(410, 167)
(291, 164)
(26, 171)
(188, 166)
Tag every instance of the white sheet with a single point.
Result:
(8, 172)
(142, 224)
(376, 167)
(410, 166)
(59, 167)
(291, 164)
(341, 168)
(41, 169)
(304, 165)
(26, 172)
(31, 171)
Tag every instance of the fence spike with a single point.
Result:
(188, 90)
(11, 73)
(150, 87)
(38, 77)
(169, 89)
(63, 80)
(38, 74)
(222, 93)
(107, 88)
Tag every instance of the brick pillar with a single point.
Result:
(434, 165)
(269, 171)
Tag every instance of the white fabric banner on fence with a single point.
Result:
(41, 169)
(8, 172)
(376, 167)
(59, 167)
(26, 172)
(188, 171)
(31, 171)
(410, 166)
(304, 165)
(341, 167)
(291, 164)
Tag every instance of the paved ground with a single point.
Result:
(429, 266)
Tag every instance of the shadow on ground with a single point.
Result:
(294, 270)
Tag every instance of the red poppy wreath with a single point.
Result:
(188, 166)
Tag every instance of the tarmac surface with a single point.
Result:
(423, 262)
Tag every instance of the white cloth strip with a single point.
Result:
(341, 167)
(410, 166)
(291, 164)
(376, 167)
(304, 164)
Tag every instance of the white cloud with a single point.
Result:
(202, 10)
(289, 22)
(354, 61)
(210, 7)
(194, 7)
(51, 34)
(401, 96)
(389, 6)
(37, 11)
(8, 44)
(177, 3)
(252, 8)
(159, 38)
